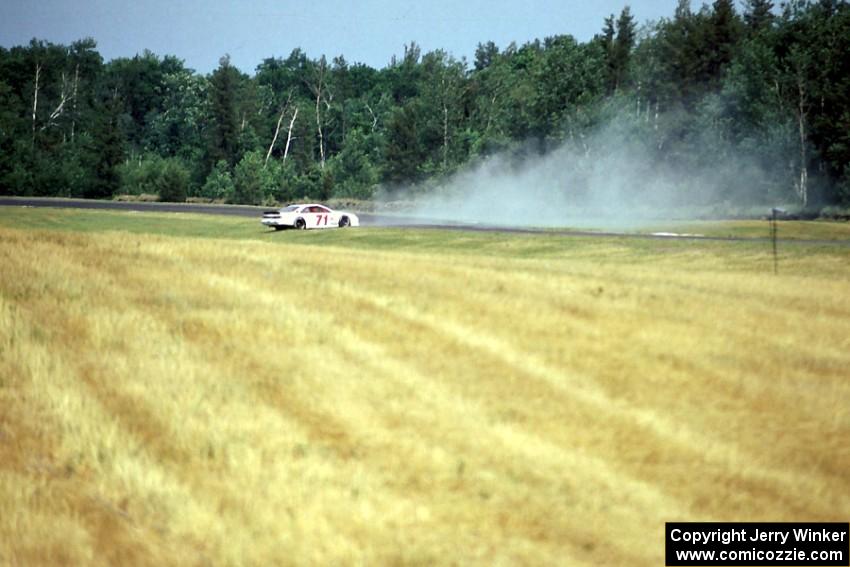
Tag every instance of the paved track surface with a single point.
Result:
(366, 219)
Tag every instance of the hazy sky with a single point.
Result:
(369, 31)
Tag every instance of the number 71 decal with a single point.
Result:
(319, 220)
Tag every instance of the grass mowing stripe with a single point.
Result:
(391, 396)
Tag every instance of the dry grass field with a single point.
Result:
(228, 396)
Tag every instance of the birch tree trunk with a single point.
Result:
(35, 99)
(372, 114)
(490, 113)
(319, 126)
(289, 135)
(277, 129)
(655, 117)
(60, 108)
(803, 181)
(445, 136)
(637, 102)
(74, 98)
(317, 90)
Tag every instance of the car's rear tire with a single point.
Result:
(344, 222)
(300, 224)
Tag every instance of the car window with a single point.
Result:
(290, 208)
(320, 209)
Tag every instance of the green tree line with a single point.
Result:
(698, 88)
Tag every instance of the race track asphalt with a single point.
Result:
(366, 219)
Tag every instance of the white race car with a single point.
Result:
(308, 216)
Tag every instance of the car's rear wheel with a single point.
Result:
(300, 224)
(344, 222)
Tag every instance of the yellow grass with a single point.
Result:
(169, 401)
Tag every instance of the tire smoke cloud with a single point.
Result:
(612, 178)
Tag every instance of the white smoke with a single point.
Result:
(605, 180)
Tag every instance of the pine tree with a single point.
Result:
(608, 34)
(723, 37)
(623, 45)
(224, 140)
(758, 14)
(107, 148)
(678, 54)
(404, 151)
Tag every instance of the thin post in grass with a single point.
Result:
(773, 232)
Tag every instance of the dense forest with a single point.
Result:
(695, 90)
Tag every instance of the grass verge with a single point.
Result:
(196, 390)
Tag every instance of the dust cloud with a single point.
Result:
(610, 179)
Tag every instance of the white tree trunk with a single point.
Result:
(277, 129)
(60, 108)
(319, 127)
(274, 138)
(35, 99)
(374, 118)
(317, 90)
(655, 117)
(637, 102)
(803, 184)
(74, 97)
(445, 136)
(289, 135)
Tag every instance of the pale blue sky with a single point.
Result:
(370, 31)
